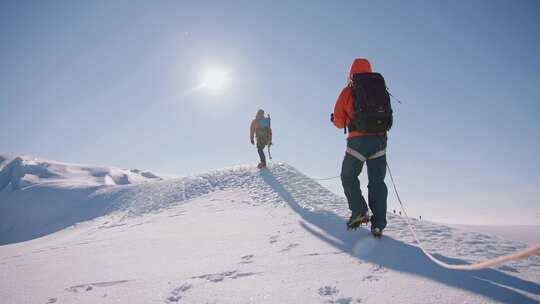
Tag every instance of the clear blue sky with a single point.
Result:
(109, 83)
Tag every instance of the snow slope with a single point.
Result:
(56, 195)
(237, 235)
(529, 234)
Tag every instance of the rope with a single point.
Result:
(389, 93)
(485, 264)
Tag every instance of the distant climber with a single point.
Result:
(261, 129)
(363, 108)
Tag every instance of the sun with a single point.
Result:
(214, 80)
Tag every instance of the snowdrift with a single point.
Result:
(236, 235)
(38, 197)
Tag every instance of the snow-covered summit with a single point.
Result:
(52, 195)
(235, 235)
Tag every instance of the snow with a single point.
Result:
(529, 234)
(39, 172)
(236, 235)
(56, 195)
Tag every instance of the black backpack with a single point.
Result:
(371, 103)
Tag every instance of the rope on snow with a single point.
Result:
(476, 266)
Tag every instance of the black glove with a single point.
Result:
(332, 117)
(252, 141)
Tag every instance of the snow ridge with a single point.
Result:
(237, 235)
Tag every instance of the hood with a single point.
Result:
(360, 65)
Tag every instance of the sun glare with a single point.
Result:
(215, 80)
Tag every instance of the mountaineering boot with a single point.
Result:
(357, 220)
(377, 232)
(261, 165)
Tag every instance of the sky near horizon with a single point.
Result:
(114, 83)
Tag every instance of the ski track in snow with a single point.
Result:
(198, 239)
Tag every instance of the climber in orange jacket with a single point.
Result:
(261, 129)
(366, 143)
(343, 110)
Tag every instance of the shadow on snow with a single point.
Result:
(399, 256)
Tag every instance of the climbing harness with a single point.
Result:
(358, 156)
(361, 157)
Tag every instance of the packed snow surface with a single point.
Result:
(81, 234)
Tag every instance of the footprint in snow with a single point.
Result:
(178, 214)
(13, 257)
(139, 224)
(56, 248)
(325, 253)
(111, 226)
(348, 300)
(371, 278)
(91, 286)
(291, 246)
(328, 290)
(247, 259)
(273, 239)
(220, 277)
(177, 293)
(331, 294)
(377, 269)
(51, 300)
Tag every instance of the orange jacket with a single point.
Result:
(343, 110)
(253, 129)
